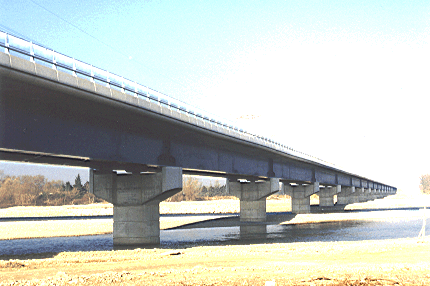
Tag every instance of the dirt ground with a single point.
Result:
(387, 262)
(378, 262)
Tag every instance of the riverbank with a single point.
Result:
(379, 262)
(227, 206)
(224, 208)
(386, 262)
(64, 228)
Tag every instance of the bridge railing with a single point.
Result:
(36, 53)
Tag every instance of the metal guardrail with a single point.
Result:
(58, 61)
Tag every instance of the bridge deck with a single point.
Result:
(58, 110)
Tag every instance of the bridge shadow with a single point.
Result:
(242, 232)
(272, 218)
(337, 208)
(280, 228)
(342, 209)
(6, 257)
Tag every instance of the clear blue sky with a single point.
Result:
(345, 81)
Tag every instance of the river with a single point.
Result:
(408, 226)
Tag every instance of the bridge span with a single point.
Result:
(58, 110)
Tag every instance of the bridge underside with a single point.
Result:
(44, 121)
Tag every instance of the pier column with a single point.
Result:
(326, 195)
(361, 194)
(354, 197)
(368, 192)
(252, 197)
(344, 197)
(136, 198)
(379, 194)
(384, 192)
(373, 194)
(300, 196)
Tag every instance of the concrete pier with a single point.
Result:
(365, 196)
(354, 196)
(326, 195)
(357, 196)
(345, 196)
(136, 200)
(372, 194)
(300, 196)
(379, 194)
(252, 197)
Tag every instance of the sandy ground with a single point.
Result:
(282, 204)
(385, 262)
(388, 262)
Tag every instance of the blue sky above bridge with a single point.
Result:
(344, 81)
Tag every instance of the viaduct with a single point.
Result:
(58, 110)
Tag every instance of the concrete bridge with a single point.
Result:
(57, 110)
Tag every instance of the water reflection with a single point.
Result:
(262, 233)
(253, 231)
(242, 234)
(56, 244)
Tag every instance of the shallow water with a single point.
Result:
(244, 234)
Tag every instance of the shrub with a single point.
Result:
(38, 191)
(191, 188)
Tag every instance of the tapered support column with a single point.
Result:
(252, 197)
(344, 197)
(379, 194)
(136, 198)
(326, 195)
(354, 196)
(367, 194)
(372, 194)
(361, 194)
(300, 202)
(300, 197)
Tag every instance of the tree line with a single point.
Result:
(193, 190)
(39, 191)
